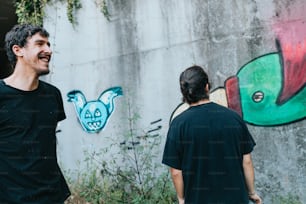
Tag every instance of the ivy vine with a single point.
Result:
(32, 11)
(72, 6)
(103, 8)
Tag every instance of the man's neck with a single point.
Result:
(22, 82)
(201, 102)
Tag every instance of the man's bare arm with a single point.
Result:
(249, 175)
(177, 178)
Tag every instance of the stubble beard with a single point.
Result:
(43, 72)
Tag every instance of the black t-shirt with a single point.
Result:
(29, 172)
(207, 142)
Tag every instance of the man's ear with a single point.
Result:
(207, 87)
(18, 51)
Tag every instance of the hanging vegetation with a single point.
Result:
(32, 11)
(72, 5)
(103, 7)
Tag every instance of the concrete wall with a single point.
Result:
(146, 44)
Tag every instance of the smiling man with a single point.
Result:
(29, 112)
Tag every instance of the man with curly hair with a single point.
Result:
(29, 112)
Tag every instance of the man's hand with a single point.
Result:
(255, 198)
(181, 200)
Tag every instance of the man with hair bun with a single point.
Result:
(208, 148)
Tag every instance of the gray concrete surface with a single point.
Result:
(145, 46)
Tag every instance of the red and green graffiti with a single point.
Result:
(259, 94)
(270, 90)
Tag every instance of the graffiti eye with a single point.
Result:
(258, 96)
(87, 114)
(97, 113)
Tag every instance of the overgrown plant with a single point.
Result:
(288, 199)
(32, 11)
(133, 174)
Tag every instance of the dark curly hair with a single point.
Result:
(19, 35)
(192, 83)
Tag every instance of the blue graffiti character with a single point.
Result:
(93, 115)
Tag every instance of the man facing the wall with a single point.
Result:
(208, 148)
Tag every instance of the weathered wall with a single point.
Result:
(145, 46)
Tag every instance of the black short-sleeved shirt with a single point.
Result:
(207, 142)
(29, 172)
